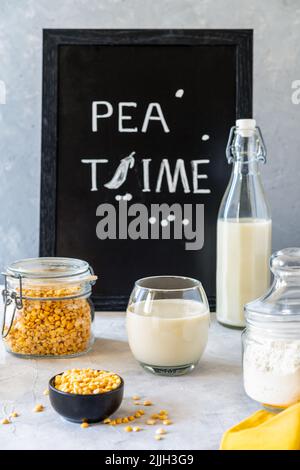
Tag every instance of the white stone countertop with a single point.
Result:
(202, 404)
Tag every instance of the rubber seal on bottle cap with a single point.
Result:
(245, 124)
(245, 127)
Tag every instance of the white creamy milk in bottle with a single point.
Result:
(244, 227)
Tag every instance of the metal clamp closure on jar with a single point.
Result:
(10, 296)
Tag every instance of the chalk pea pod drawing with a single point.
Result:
(121, 172)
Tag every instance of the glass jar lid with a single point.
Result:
(282, 302)
(51, 269)
(48, 267)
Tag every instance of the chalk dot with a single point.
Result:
(185, 222)
(118, 197)
(179, 93)
(152, 220)
(171, 217)
(164, 223)
(205, 137)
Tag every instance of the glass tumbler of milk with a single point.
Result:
(167, 324)
(244, 227)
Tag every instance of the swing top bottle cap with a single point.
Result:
(245, 126)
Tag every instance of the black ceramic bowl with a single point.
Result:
(85, 408)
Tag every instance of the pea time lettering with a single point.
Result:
(172, 180)
(104, 110)
(139, 221)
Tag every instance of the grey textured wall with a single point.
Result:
(276, 25)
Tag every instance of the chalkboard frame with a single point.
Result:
(241, 39)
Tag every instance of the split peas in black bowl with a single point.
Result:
(86, 395)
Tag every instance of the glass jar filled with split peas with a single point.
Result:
(47, 307)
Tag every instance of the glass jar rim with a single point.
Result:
(258, 317)
(194, 283)
(273, 330)
(48, 268)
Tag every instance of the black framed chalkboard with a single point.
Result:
(135, 123)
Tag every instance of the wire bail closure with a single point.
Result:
(231, 148)
(10, 296)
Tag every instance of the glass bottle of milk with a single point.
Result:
(244, 227)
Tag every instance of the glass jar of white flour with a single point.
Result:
(271, 355)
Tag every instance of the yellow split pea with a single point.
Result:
(147, 403)
(51, 327)
(38, 408)
(5, 421)
(87, 381)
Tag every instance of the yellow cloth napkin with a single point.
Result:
(265, 431)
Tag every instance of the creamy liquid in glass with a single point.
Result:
(168, 332)
(243, 252)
